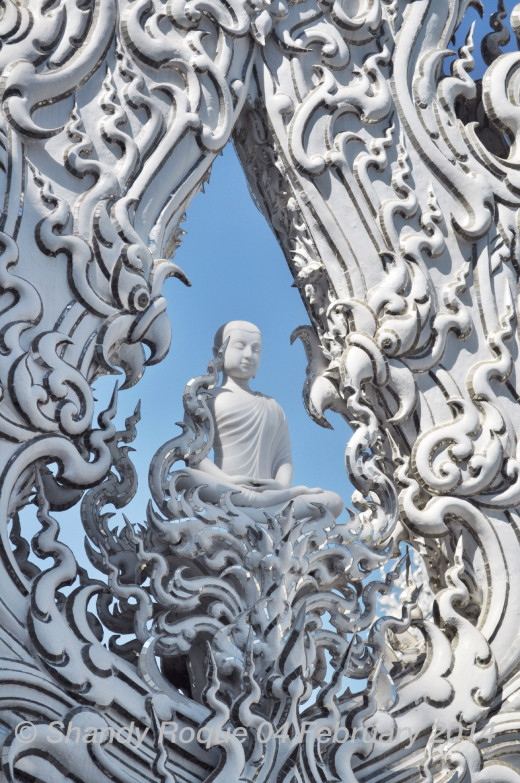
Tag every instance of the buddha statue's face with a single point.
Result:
(243, 351)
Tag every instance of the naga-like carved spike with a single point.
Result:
(319, 392)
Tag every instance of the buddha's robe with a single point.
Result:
(252, 440)
(251, 434)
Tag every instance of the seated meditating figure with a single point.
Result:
(251, 445)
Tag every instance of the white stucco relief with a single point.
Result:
(388, 171)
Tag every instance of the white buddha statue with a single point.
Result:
(251, 446)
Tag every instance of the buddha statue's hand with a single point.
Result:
(244, 481)
(256, 484)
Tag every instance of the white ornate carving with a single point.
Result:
(391, 181)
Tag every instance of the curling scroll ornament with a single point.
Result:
(388, 169)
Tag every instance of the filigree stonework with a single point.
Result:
(387, 167)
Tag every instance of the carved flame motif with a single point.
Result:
(389, 172)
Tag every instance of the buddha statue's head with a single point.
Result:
(243, 351)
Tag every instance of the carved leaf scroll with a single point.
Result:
(388, 169)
